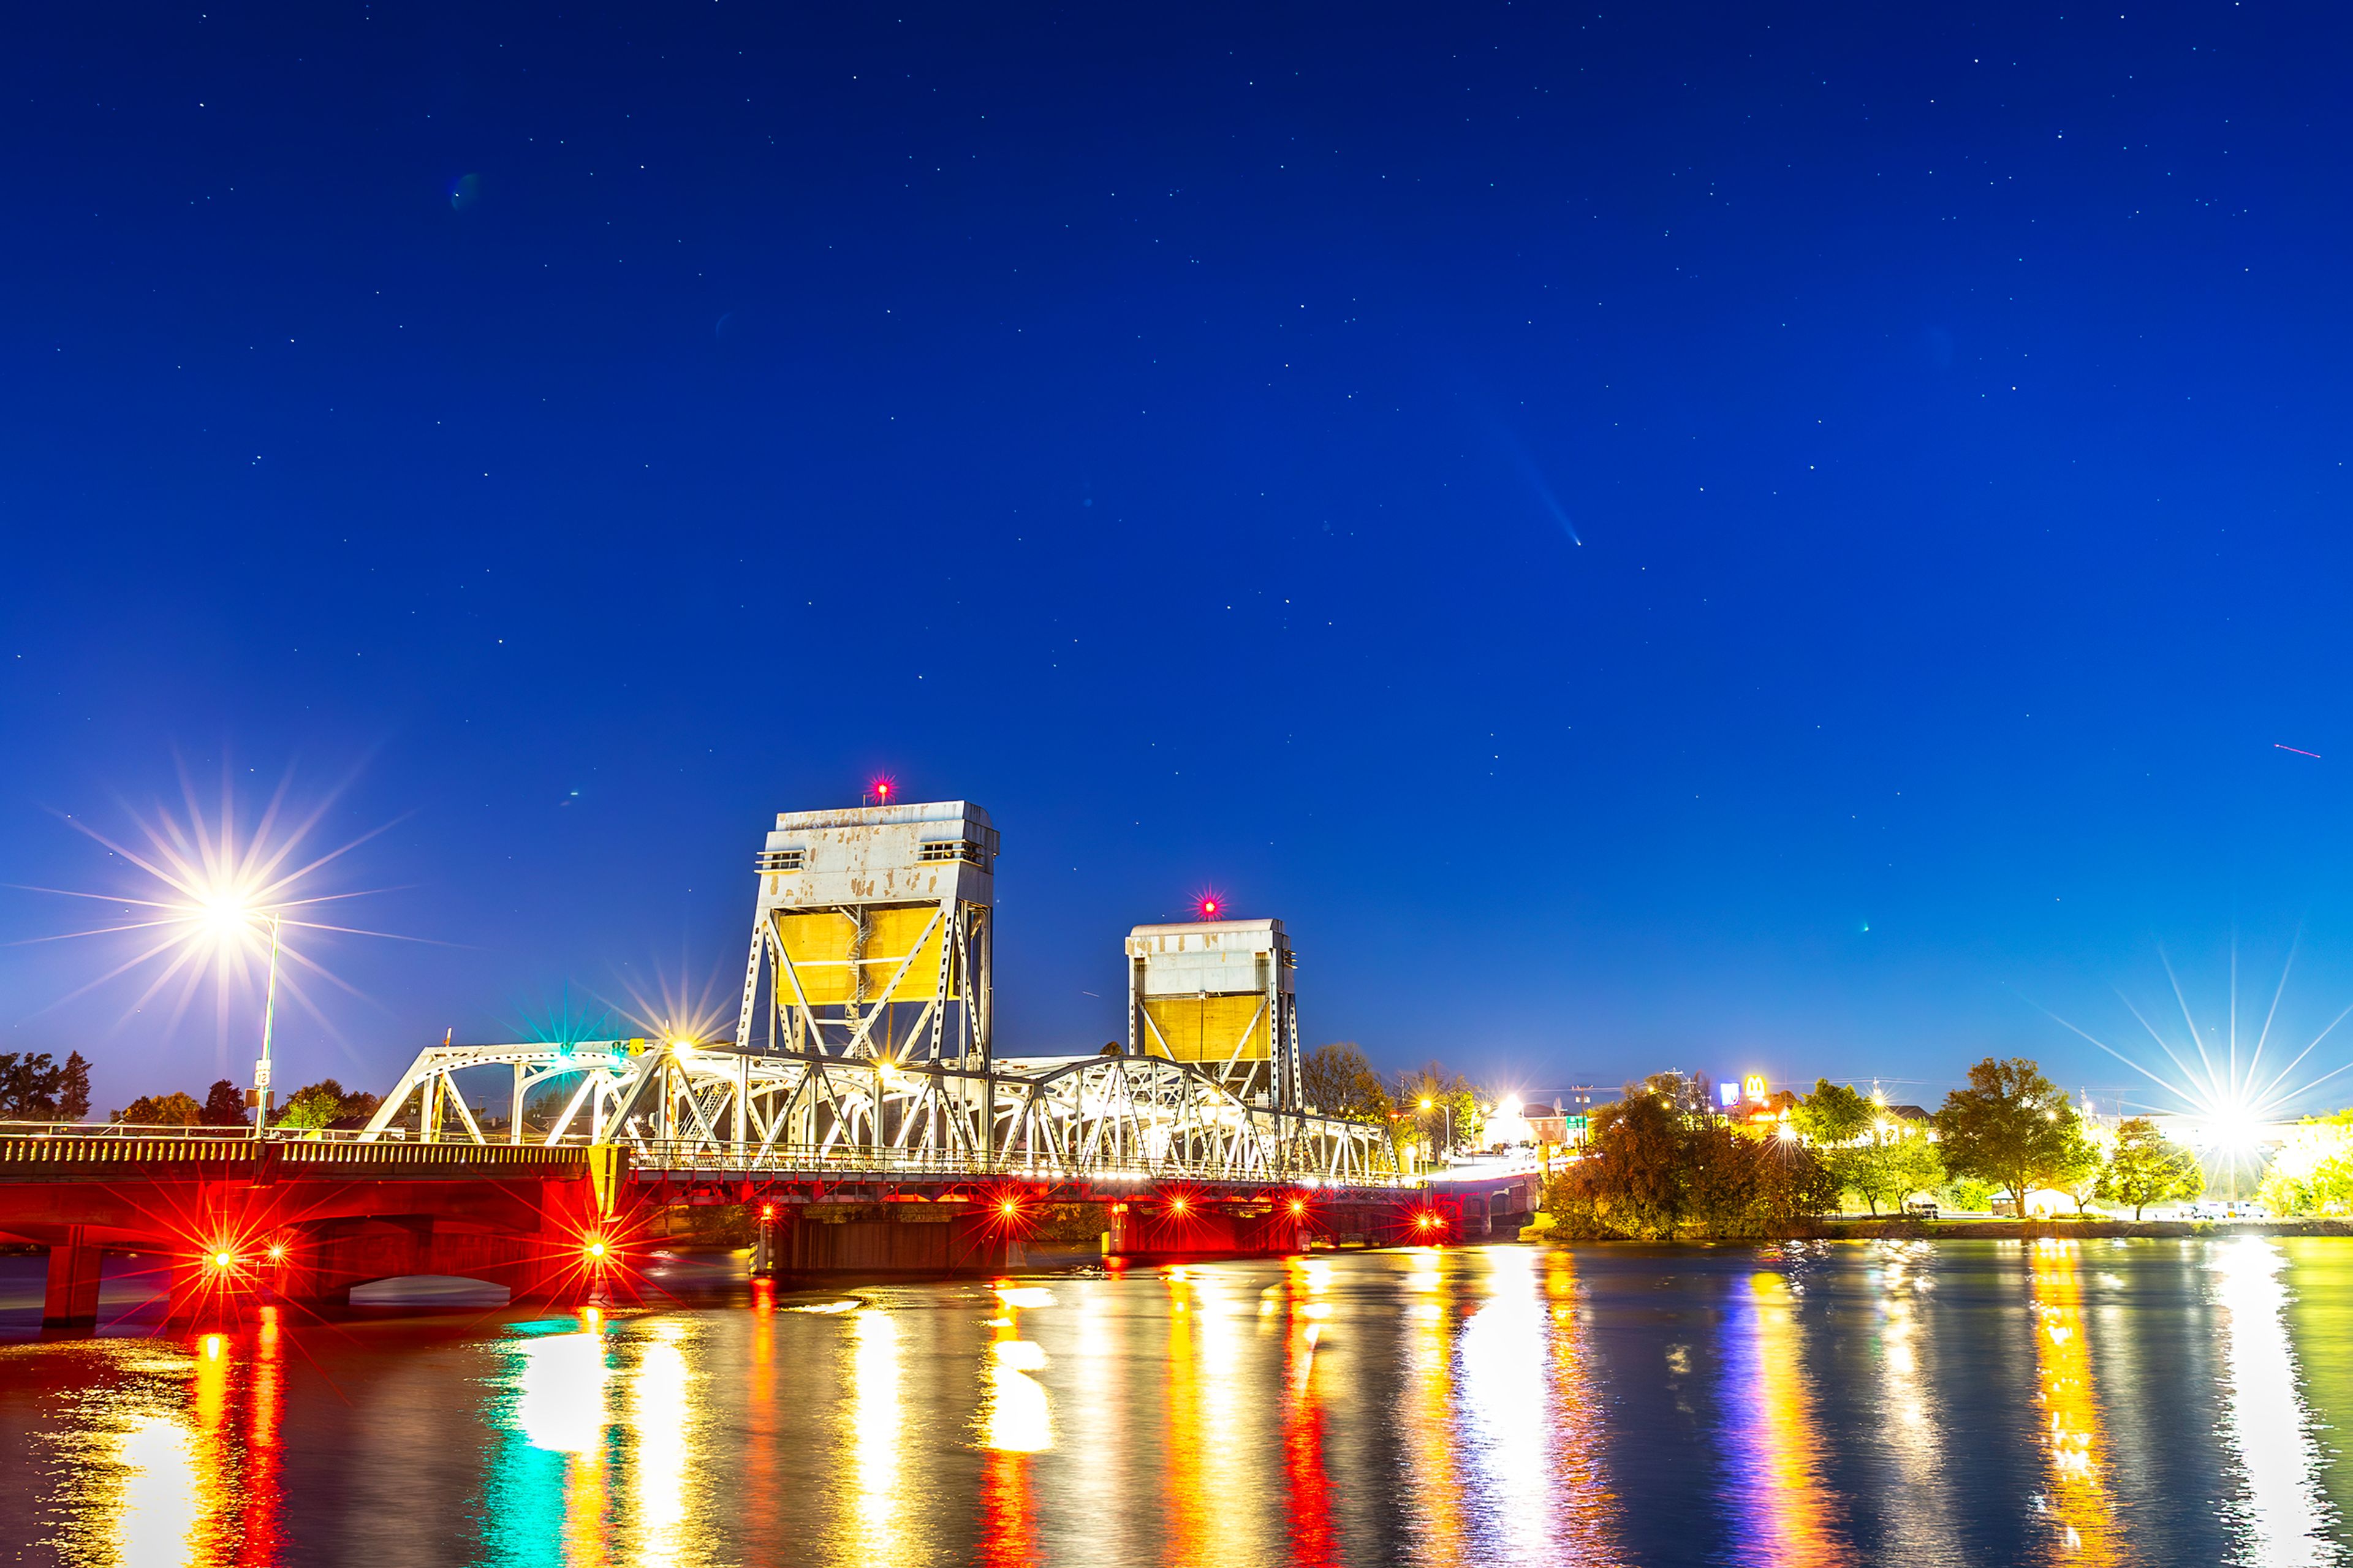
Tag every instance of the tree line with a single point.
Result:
(1661, 1164)
(1424, 1110)
(324, 1104)
(36, 1087)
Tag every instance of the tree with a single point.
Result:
(2080, 1164)
(327, 1103)
(1892, 1165)
(1970, 1194)
(313, 1105)
(1833, 1114)
(1650, 1171)
(1687, 1094)
(1340, 1082)
(162, 1110)
(2148, 1168)
(1631, 1179)
(2313, 1171)
(73, 1088)
(2011, 1127)
(224, 1106)
(1791, 1182)
(1437, 1102)
(358, 1106)
(29, 1085)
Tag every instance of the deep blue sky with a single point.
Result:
(578, 436)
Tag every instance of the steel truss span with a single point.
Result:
(1117, 1118)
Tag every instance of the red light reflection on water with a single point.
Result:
(1008, 1523)
(1309, 1488)
(263, 1488)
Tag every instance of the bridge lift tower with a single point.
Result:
(872, 932)
(1222, 995)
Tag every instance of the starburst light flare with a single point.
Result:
(677, 1015)
(211, 895)
(2228, 1095)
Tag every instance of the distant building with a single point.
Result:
(1566, 1122)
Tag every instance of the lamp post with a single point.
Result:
(1426, 1105)
(268, 1021)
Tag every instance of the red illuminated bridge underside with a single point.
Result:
(226, 1220)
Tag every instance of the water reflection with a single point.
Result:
(1484, 1406)
(1311, 1538)
(661, 1416)
(875, 1430)
(2285, 1510)
(184, 1468)
(1434, 1503)
(1582, 1505)
(1015, 1423)
(159, 1504)
(2076, 1488)
(1504, 1430)
(1205, 1455)
(1911, 1420)
(263, 1487)
(1773, 1444)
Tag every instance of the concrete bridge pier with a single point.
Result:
(69, 1303)
(908, 1239)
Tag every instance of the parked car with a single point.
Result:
(2228, 1209)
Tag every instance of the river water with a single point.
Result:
(2141, 1400)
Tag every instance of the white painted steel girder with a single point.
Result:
(717, 1109)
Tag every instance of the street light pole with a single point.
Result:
(1428, 1104)
(268, 1021)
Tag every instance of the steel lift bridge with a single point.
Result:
(863, 1048)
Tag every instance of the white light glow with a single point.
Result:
(215, 893)
(2231, 1090)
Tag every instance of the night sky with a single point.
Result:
(1786, 539)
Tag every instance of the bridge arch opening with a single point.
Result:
(428, 1291)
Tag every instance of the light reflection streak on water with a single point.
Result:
(1434, 1506)
(1501, 1423)
(661, 1415)
(264, 1525)
(212, 1464)
(1184, 1503)
(2075, 1443)
(2268, 1426)
(1582, 1507)
(1919, 1529)
(1095, 1417)
(1014, 1414)
(157, 1511)
(878, 1401)
(560, 1407)
(1773, 1441)
(1307, 1484)
(759, 1413)
(1235, 1454)
(1015, 1423)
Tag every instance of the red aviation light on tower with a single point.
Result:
(882, 789)
(1208, 904)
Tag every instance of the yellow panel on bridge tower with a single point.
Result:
(1204, 1028)
(819, 945)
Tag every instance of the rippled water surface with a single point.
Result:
(2102, 1402)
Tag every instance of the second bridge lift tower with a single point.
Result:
(1220, 994)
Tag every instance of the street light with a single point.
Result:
(269, 1020)
(1426, 1103)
